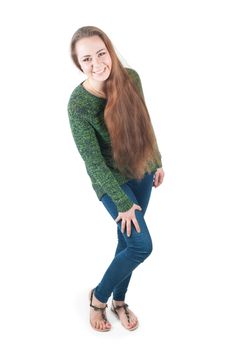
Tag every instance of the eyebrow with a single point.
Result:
(90, 55)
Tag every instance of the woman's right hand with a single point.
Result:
(127, 217)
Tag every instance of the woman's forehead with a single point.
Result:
(89, 46)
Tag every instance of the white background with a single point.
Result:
(56, 237)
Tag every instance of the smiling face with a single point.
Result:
(94, 58)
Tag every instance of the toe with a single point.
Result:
(132, 323)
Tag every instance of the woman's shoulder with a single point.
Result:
(132, 72)
(75, 99)
(83, 102)
(134, 76)
(78, 94)
(136, 79)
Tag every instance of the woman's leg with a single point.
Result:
(142, 191)
(138, 248)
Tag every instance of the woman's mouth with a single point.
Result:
(100, 71)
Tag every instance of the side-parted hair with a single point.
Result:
(134, 144)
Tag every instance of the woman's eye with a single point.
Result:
(88, 58)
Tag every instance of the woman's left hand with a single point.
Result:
(158, 177)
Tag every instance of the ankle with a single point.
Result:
(118, 302)
(97, 302)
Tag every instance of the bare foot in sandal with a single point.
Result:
(125, 315)
(98, 318)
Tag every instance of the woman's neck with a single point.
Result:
(96, 89)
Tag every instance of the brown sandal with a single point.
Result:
(125, 307)
(101, 309)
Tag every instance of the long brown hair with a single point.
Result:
(134, 145)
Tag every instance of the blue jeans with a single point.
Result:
(131, 251)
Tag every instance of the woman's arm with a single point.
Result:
(89, 149)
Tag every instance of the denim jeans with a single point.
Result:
(130, 251)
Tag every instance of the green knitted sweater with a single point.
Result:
(86, 118)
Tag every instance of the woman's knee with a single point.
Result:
(146, 249)
(141, 251)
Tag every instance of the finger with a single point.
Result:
(135, 222)
(123, 226)
(157, 180)
(117, 218)
(160, 180)
(128, 228)
(154, 180)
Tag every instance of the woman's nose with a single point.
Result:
(96, 61)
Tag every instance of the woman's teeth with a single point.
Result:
(100, 71)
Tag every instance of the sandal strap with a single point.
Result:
(96, 308)
(125, 307)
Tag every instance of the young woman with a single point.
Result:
(113, 132)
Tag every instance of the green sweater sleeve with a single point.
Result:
(139, 86)
(89, 149)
